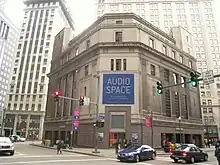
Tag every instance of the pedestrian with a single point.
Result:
(117, 145)
(217, 143)
(217, 153)
(59, 147)
(67, 142)
(125, 143)
(129, 143)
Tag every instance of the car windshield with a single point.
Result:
(133, 147)
(4, 140)
(183, 147)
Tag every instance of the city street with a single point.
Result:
(26, 154)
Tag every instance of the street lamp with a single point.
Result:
(97, 113)
(180, 129)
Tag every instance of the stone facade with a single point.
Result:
(123, 44)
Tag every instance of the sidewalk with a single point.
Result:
(110, 153)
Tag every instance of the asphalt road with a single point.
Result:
(30, 155)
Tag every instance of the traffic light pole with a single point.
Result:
(97, 113)
(169, 86)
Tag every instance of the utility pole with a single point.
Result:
(180, 129)
(152, 129)
(97, 114)
(141, 131)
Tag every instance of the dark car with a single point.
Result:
(137, 153)
(189, 153)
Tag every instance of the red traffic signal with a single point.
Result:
(56, 95)
(81, 100)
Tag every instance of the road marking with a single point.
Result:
(41, 156)
(142, 163)
(53, 161)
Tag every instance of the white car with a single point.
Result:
(17, 138)
(21, 139)
(6, 145)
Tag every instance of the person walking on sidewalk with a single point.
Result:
(217, 153)
(59, 147)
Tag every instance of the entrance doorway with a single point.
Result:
(114, 136)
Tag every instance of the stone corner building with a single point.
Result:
(116, 62)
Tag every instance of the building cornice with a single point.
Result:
(92, 52)
(121, 16)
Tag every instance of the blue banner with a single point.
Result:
(118, 89)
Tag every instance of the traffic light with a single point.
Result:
(56, 95)
(159, 88)
(194, 79)
(81, 100)
(99, 124)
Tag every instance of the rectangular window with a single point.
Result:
(85, 91)
(86, 70)
(39, 107)
(181, 59)
(118, 36)
(76, 51)
(124, 64)
(151, 43)
(190, 64)
(87, 43)
(164, 50)
(118, 64)
(152, 70)
(112, 64)
(166, 75)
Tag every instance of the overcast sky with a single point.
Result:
(83, 12)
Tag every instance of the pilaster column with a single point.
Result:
(27, 125)
(41, 127)
(15, 124)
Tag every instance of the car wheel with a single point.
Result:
(12, 153)
(137, 158)
(176, 160)
(205, 158)
(153, 156)
(192, 160)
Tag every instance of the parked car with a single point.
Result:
(137, 153)
(6, 145)
(17, 138)
(189, 153)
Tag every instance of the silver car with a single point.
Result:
(6, 146)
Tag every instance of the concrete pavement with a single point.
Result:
(31, 155)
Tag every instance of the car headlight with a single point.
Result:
(130, 154)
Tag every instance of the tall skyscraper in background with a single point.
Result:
(26, 100)
(8, 40)
(195, 16)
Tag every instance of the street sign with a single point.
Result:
(76, 114)
(86, 100)
(100, 117)
(208, 77)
